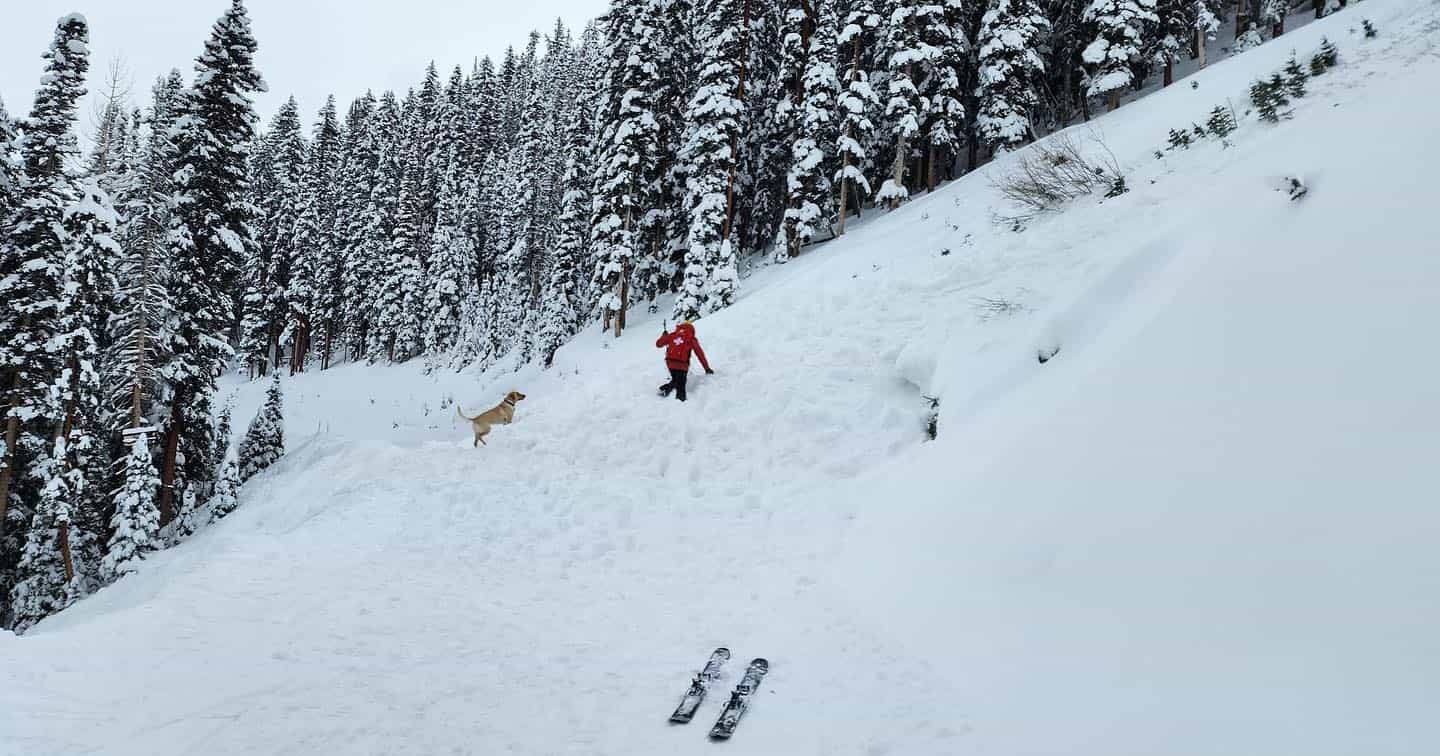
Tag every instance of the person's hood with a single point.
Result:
(685, 328)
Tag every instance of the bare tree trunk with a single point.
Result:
(853, 76)
(1199, 46)
(735, 138)
(1169, 77)
(166, 501)
(897, 168)
(1114, 99)
(65, 557)
(1277, 28)
(1241, 16)
(624, 296)
(934, 159)
(12, 436)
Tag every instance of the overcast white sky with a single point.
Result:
(309, 48)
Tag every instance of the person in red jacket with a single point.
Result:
(678, 345)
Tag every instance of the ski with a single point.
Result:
(739, 700)
(686, 710)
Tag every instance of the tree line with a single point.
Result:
(481, 217)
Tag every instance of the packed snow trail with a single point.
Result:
(1140, 547)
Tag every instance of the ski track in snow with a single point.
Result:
(387, 589)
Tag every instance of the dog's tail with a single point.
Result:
(459, 412)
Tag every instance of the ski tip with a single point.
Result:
(722, 652)
(761, 663)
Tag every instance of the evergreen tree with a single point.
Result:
(1294, 78)
(312, 293)
(716, 116)
(908, 57)
(858, 103)
(628, 143)
(135, 525)
(452, 261)
(1221, 123)
(210, 233)
(141, 336)
(270, 274)
(9, 166)
(942, 109)
(1275, 11)
(1204, 22)
(808, 183)
(1011, 72)
(227, 488)
(564, 304)
(365, 126)
(1248, 40)
(32, 256)
(1121, 28)
(87, 300)
(46, 576)
(264, 441)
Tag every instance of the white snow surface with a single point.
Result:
(1205, 526)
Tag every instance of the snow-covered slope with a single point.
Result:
(1205, 527)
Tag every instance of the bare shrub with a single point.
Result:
(990, 308)
(1057, 170)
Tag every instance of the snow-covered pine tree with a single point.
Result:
(942, 121)
(315, 275)
(1121, 29)
(716, 119)
(1204, 22)
(50, 575)
(398, 334)
(140, 334)
(1275, 11)
(9, 166)
(628, 143)
(87, 301)
(1221, 122)
(857, 103)
(908, 57)
(46, 578)
(368, 266)
(227, 487)
(210, 233)
(763, 155)
(365, 126)
(32, 254)
(811, 204)
(1174, 35)
(680, 64)
(564, 307)
(1011, 72)
(452, 260)
(264, 441)
(1294, 78)
(135, 525)
(1247, 40)
(270, 273)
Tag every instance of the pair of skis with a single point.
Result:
(739, 699)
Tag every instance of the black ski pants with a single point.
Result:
(676, 384)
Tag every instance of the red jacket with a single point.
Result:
(679, 345)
